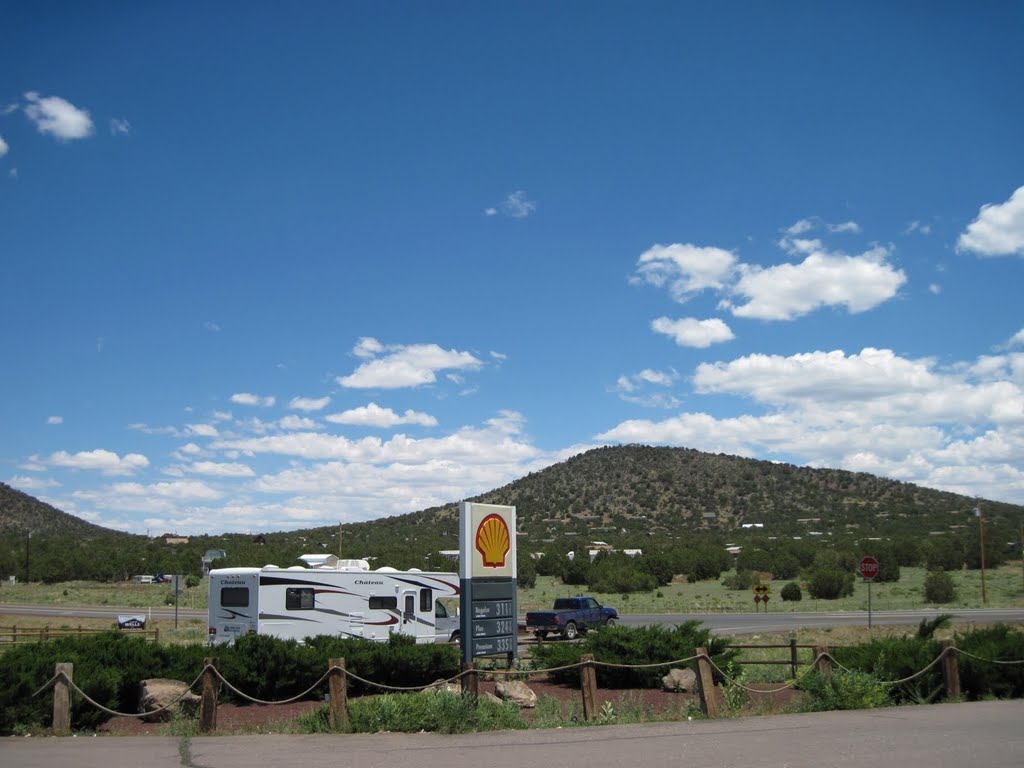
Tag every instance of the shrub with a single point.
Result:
(897, 658)
(939, 587)
(632, 646)
(740, 580)
(829, 584)
(844, 690)
(980, 675)
(792, 593)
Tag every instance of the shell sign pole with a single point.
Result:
(487, 572)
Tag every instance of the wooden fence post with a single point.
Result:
(793, 655)
(950, 669)
(706, 684)
(822, 663)
(588, 686)
(470, 681)
(208, 703)
(337, 685)
(62, 699)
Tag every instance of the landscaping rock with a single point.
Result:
(443, 686)
(516, 691)
(159, 692)
(681, 680)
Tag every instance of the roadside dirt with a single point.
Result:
(278, 718)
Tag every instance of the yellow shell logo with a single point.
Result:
(493, 541)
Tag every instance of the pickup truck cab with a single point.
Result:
(571, 616)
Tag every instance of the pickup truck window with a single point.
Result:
(591, 603)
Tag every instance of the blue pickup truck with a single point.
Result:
(570, 617)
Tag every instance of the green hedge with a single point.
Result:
(109, 667)
(632, 646)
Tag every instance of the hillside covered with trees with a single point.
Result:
(660, 500)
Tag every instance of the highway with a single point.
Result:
(720, 623)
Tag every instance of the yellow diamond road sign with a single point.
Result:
(762, 589)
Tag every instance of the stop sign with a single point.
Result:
(869, 568)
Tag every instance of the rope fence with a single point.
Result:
(337, 677)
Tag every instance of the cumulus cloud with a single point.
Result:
(29, 483)
(119, 127)
(404, 366)
(998, 230)
(945, 427)
(635, 388)
(1017, 339)
(517, 206)
(58, 117)
(823, 279)
(211, 326)
(297, 422)
(691, 332)
(373, 415)
(3, 147)
(201, 430)
(55, 420)
(247, 398)
(107, 462)
(684, 269)
(308, 403)
(220, 469)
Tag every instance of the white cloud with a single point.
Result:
(107, 462)
(119, 127)
(917, 226)
(58, 117)
(823, 279)
(851, 227)
(308, 403)
(998, 230)
(3, 147)
(954, 427)
(247, 398)
(490, 211)
(691, 332)
(367, 346)
(372, 415)
(517, 206)
(55, 420)
(201, 430)
(935, 288)
(220, 469)
(633, 389)
(405, 366)
(800, 227)
(29, 483)
(1017, 339)
(297, 422)
(685, 269)
(211, 326)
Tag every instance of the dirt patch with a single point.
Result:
(653, 703)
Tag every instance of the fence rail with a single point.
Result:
(18, 635)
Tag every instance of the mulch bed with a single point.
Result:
(255, 718)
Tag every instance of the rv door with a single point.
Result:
(408, 625)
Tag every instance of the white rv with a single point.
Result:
(329, 596)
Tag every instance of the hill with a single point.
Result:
(627, 496)
(21, 514)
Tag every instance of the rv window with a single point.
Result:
(383, 603)
(234, 597)
(298, 599)
(440, 612)
(426, 599)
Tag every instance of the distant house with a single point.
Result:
(259, 538)
(449, 554)
(753, 525)
(172, 539)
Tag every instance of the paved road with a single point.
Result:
(720, 623)
(940, 736)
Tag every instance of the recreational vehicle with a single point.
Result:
(328, 596)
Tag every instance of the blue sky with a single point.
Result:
(273, 266)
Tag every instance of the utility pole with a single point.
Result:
(339, 541)
(28, 558)
(981, 538)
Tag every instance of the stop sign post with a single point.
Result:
(869, 570)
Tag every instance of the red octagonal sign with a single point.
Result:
(869, 568)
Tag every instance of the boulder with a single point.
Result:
(516, 691)
(488, 696)
(159, 692)
(443, 686)
(682, 680)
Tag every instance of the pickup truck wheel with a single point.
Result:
(610, 623)
(570, 631)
